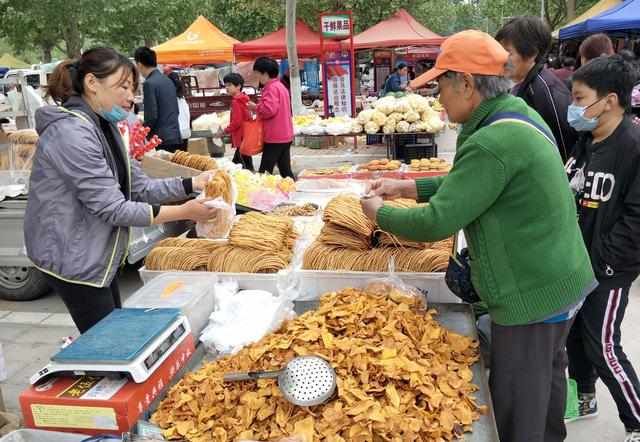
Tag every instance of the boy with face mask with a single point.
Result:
(603, 174)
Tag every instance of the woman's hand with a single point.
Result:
(196, 210)
(252, 106)
(201, 180)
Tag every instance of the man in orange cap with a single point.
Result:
(527, 261)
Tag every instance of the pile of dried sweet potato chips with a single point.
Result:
(401, 377)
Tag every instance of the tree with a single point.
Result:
(292, 55)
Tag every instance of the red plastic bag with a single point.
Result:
(251, 137)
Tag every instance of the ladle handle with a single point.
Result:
(251, 376)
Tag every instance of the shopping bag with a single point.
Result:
(251, 137)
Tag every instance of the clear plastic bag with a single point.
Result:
(220, 226)
(392, 285)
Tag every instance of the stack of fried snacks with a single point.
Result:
(199, 162)
(307, 209)
(401, 377)
(429, 165)
(349, 241)
(257, 244)
(219, 186)
(380, 165)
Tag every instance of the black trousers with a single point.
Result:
(245, 160)
(595, 352)
(527, 381)
(87, 305)
(277, 154)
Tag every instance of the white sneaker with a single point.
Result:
(632, 436)
(588, 408)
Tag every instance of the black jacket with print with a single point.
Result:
(606, 179)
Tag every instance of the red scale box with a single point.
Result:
(98, 405)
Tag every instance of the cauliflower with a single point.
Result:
(402, 127)
(429, 113)
(413, 127)
(422, 126)
(356, 127)
(379, 118)
(371, 128)
(402, 105)
(412, 116)
(396, 116)
(389, 127)
(418, 102)
(436, 124)
(386, 105)
(365, 116)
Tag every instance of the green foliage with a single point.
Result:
(49, 28)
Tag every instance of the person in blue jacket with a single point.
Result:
(397, 81)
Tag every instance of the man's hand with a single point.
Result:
(370, 206)
(389, 189)
(200, 181)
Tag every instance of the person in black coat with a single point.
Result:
(161, 113)
(528, 41)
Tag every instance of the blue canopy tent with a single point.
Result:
(623, 17)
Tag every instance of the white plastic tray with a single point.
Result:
(246, 281)
(313, 283)
(42, 436)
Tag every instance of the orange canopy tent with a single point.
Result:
(275, 44)
(201, 43)
(399, 30)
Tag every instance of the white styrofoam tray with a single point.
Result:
(246, 281)
(313, 283)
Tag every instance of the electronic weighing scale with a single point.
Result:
(131, 341)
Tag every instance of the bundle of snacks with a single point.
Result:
(198, 162)
(307, 209)
(380, 165)
(429, 165)
(22, 145)
(350, 241)
(327, 171)
(257, 244)
(219, 186)
(401, 377)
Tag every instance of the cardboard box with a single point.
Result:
(156, 167)
(198, 146)
(99, 405)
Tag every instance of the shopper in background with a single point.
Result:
(528, 40)
(568, 65)
(508, 191)
(161, 113)
(605, 176)
(595, 46)
(397, 81)
(85, 193)
(274, 109)
(184, 117)
(239, 114)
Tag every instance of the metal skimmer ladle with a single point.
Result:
(305, 381)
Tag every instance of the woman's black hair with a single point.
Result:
(180, 89)
(529, 35)
(266, 65)
(67, 79)
(234, 79)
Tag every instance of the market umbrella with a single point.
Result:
(401, 29)
(201, 43)
(596, 9)
(9, 61)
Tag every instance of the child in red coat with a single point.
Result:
(239, 114)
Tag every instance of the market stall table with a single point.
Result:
(456, 317)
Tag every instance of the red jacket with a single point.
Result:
(239, 114)
(275, 111)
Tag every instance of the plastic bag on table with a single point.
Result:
(243, 317)
(220, 226)
(391, 285)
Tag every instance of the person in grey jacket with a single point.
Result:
(85, 192)
(161, 111)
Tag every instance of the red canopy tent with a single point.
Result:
(399, 30)
(275, 45)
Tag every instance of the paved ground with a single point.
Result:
(31, 332)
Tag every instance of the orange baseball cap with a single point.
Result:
(470, 52)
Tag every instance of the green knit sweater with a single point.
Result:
(510, 194)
